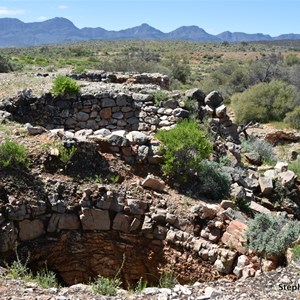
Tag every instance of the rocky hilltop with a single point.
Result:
(108, 208)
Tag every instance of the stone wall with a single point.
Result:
(112, 110)
(87, 237)
(145, 78)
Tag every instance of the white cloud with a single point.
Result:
(42, 18)
(5, 11)
(62, 6)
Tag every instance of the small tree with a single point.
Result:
(185, 146)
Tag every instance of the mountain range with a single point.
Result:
(15, 33)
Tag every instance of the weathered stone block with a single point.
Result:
(95, 219)
(30, 230)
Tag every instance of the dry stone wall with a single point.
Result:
(145, 78)
(111, 110)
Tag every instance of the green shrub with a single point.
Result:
(268, 234)
(293, 118)
(264, 102)
(262, 147)
(140, 285)
(19, 270)
(64, 85)
(13, 155)
(185, 147)
(159, 96)
(295, 167)
(167, 279)
(213, 182)
(106, 286)
(5, 65)
(46, 279)
(66, 154)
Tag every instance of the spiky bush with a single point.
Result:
(268, 234)
(213, 182)
(262, 147)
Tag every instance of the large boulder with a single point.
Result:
(214, 99)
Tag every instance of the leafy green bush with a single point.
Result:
(185, 147)
(65, 86)
(66, 154)
(268, 234)
(106, 286)
(264, 102)
(13, 155)
(262, 147)
(293, 118)
(213, 181)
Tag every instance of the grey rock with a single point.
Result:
(5, 116)
(171, 103)
(214, 99)
(102, 132)
(196, 94)
(117, 140)
(141, 97)
(82, 116)
(108, 102)
(136, 137)
(181, 113)
(34, 130)
(118, 115)
(143, 152)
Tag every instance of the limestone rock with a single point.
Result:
(95, 219)
(136, 137)
(266, 184)
(287, 178)
(234, 237)
(154, 183)
(30, 230)
(121, 223)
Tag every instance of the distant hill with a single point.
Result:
(15, 33)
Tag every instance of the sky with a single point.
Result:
(273, 17)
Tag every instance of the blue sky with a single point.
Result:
(272, 17)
